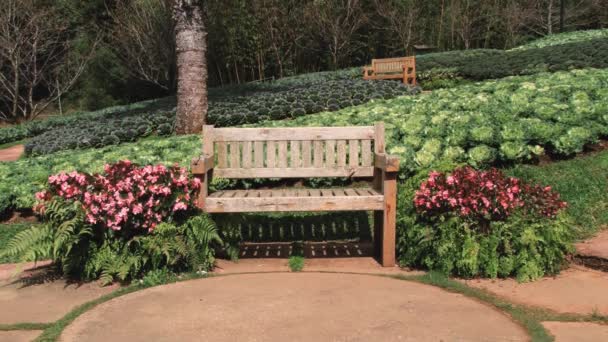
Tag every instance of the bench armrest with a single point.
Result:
(368, 71)
(386, 162)
(202, 164)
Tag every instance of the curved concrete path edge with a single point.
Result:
(297, 307)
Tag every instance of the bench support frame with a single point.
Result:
(382, 199)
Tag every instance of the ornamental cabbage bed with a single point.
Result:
(564, 38)
(483, 64)
(510, 120)
(236, 105)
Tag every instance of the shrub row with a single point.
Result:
(275, 101)
(564, 38)
(508, 120)
(37, 127)
(304, 98)
(103, 131)
(489, 64)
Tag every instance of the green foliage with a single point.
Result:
(581, 182)
(64, 238)
(300, 96)
(158, 277)
(7, 233)
(527, 247)
(564, 38)
(296, 263)
(17, 188)
(489, 64)
(286, 98)
(106, 130)
(507, 120)
(90, 252)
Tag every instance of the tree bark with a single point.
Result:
(191, 48)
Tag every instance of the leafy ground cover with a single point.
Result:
(502, 121)
(564, 38)
(491, 64)
(7, 232)
(582, 183)
(17, 188)
(249, 103)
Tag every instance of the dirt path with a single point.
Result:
(577, 331)
(594, 252)
(294, 307)
(12, 153)
(575, 290)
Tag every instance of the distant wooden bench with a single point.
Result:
(303, 152)
(403, 68)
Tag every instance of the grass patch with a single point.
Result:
(296, 263)
(25, 326)
(582, 182)
(7, 232)
(12, 143)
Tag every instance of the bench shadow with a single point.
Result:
(308, 249)
(312, 235)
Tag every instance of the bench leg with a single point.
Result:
(385, 223)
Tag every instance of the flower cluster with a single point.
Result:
(125, 195)
(487, 195)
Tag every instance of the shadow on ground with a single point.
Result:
(280, 235)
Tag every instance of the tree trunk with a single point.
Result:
(191, 48)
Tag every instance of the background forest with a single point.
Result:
(119, 51)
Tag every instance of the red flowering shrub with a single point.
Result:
(125, 195)
(483, 195)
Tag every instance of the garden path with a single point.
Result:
(19, 335)
(11, 153)
(577, 331)
(294, 307)
(575, 290)
(594, 252)
(35, 297)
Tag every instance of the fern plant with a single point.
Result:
(63, 238)
(90, 252)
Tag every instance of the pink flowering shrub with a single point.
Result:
(125, 195)
(483, 195)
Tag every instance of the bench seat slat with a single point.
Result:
(306, 172)
(284, 200)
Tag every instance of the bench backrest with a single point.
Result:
(388, 65)
(301, 152)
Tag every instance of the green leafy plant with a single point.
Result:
(88, 252)
(522, 244)
(296, 263)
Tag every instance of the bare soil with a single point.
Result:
(294, 307)
(40, 296)
(12, 153)
(19, 335)
(363, 265)
(594, 247)
(577, 331)
(575, 290)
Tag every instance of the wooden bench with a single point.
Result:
(303, 152)
(403, 68)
